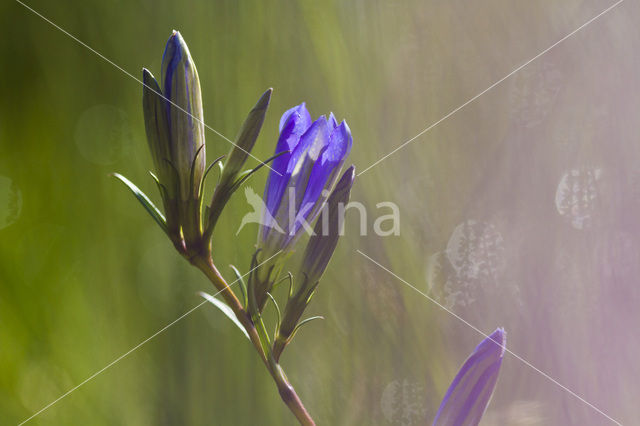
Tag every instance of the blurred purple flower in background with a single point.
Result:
(469, 394)
(298, 185)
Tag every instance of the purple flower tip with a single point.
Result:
(469, 394)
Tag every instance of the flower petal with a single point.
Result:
(325, 171)
(341, 141)
(294, 123)
(301, 111)
(299, 170)
(333, 123)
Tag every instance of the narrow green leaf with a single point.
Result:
(225, 310)
(206, 172)
(279, 318)
(221, 171)
(192, 174)
(288, 277)
(161, 187)
(242, 177)
(145, 201)
(303, 322)
(243, 286)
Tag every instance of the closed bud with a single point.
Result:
(316, 258)
(328, 229)
(157, 129)
(247, 137)
(240, 151)
(175, 132)
(181, 87)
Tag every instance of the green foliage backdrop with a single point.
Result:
(86, 275)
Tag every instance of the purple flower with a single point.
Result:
(471, 390)
(298, 185)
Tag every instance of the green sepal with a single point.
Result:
(279, 315)
(192, 175)
(243, 285)
(223, 193)
(242, 177)
(301, 323)
(288, 277)
(161, 187)
(221, 170)
(206, 172)
(155, 213)
(225, 310)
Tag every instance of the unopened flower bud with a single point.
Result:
(316, 258)
(175, 132)
(181, 88)
(327, 230)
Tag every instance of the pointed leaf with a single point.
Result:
(243, 285)
(145, 201)
(242, 178)
(206, 172)
(279, 318)
(225, 310)
(303, 322)
(288, 277)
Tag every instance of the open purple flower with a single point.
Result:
(298, 185)
(469, 394)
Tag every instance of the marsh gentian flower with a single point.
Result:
(310, 155)
(469, 394)
(316, 257)
(313, 154)
(175, 132)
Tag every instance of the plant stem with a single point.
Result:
(286, 391)
(289, 395)
(206, 265)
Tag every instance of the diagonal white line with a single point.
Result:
(493, 85)
(124, 355)
(139, 81)
(518, 357)
(112, 362)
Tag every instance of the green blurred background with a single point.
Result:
(518, 211)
